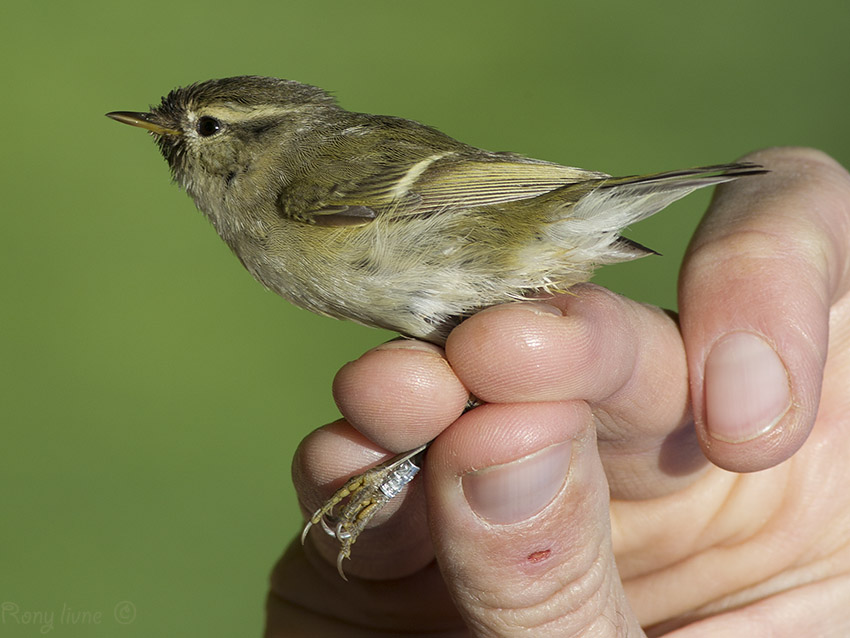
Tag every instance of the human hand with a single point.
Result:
(589, 393)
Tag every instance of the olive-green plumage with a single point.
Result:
(386, 221)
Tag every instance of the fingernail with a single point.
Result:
(537, 307)
(518, 490)
(746, 388)
(410, 344)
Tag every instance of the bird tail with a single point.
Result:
(612, 204)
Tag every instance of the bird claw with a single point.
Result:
(347, 513)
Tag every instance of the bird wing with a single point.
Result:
(444, 181)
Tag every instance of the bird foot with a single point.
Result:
(345, 514)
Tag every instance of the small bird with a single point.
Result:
(391, 223)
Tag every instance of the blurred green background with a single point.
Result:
(153, 394)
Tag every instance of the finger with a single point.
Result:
(400, 394)
(626, 359)
(755, 293)
(817, 609)
(518, 509)
(308, 598)
(397, 543)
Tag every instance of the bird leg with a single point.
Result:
(345, 514)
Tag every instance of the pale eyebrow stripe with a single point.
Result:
(227, 111)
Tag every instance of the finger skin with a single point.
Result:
(624, 358)
(307, 598)
(401, 394)
(550, 570)
(767, 262)
(534, 564)
(817, 609)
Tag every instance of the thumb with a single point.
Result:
(518, 507)
(763, 270)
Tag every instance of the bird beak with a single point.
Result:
(142, 120)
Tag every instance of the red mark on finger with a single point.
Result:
(540, 555)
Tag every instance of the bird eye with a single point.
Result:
(207, 126)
